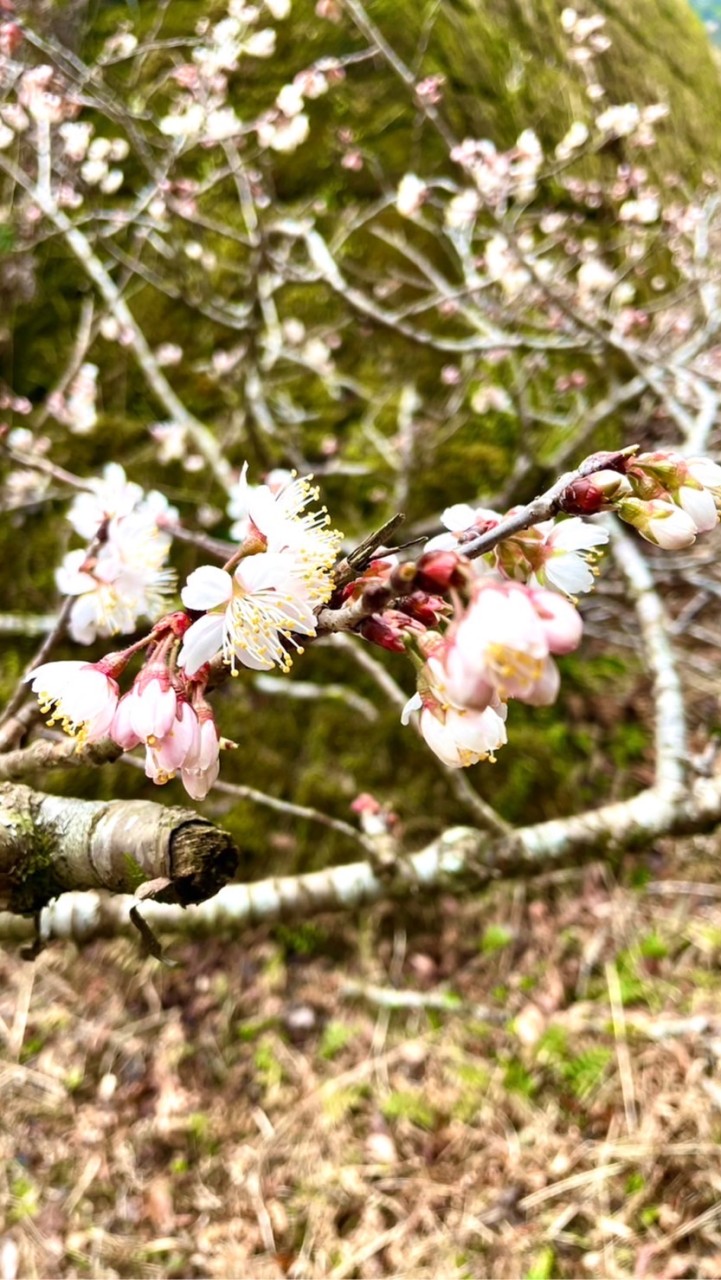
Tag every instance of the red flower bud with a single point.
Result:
(441, 570)
(388, 630)
(426, 609)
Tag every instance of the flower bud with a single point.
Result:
(425, 608)
(389, 629)
(441, 570)
(591, 494)
(659, 522)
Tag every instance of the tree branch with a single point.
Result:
(459, 858)
(49, 844)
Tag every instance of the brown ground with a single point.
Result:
(247, 1114)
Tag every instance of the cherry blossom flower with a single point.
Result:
(459, 519)
(165, 755)
(460, 736)
(249, 613)
(153, 704)
(619, 121)
(112, 496)
(239, 496)
(500, 646)
(569, 549)
(82, 696)
(281, 518)
(411, 194)
(126, 580)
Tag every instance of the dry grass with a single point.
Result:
(240, 1116)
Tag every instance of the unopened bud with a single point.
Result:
(594, 493)
(176, 624)
(426, 609)
(441, 570)
(403, 576)
(661, 523)
(390, 629)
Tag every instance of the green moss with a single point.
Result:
(410, 1105)
(32, 878)
(336, 1035)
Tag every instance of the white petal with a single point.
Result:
(459, 517)
(206, 588)
(201, 642)
(576, 535)
(52, 676)
(568, 573)
(700, 506)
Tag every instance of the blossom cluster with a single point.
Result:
(498, 647)
(668, 498)
(170, 717)
(249, 613)
(481, 621)
(124, 577)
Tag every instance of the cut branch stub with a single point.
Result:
(49, 844)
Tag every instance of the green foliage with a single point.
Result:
(517, 1079)
(653, 947)
(585, 1073)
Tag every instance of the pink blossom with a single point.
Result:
(121, 730)
(501, 646)
(459, 736)
(164, 757)
(153, 704)
(202, 764)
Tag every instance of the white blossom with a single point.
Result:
(80, 695)
(247, 615)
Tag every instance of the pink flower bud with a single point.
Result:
(389, 629)
(153, 703)
(424, 608)
(121, 730)
(201, 766)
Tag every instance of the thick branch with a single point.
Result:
(49, 844)
(460, 858)
(42, 754)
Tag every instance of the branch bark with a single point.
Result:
(50, 844)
